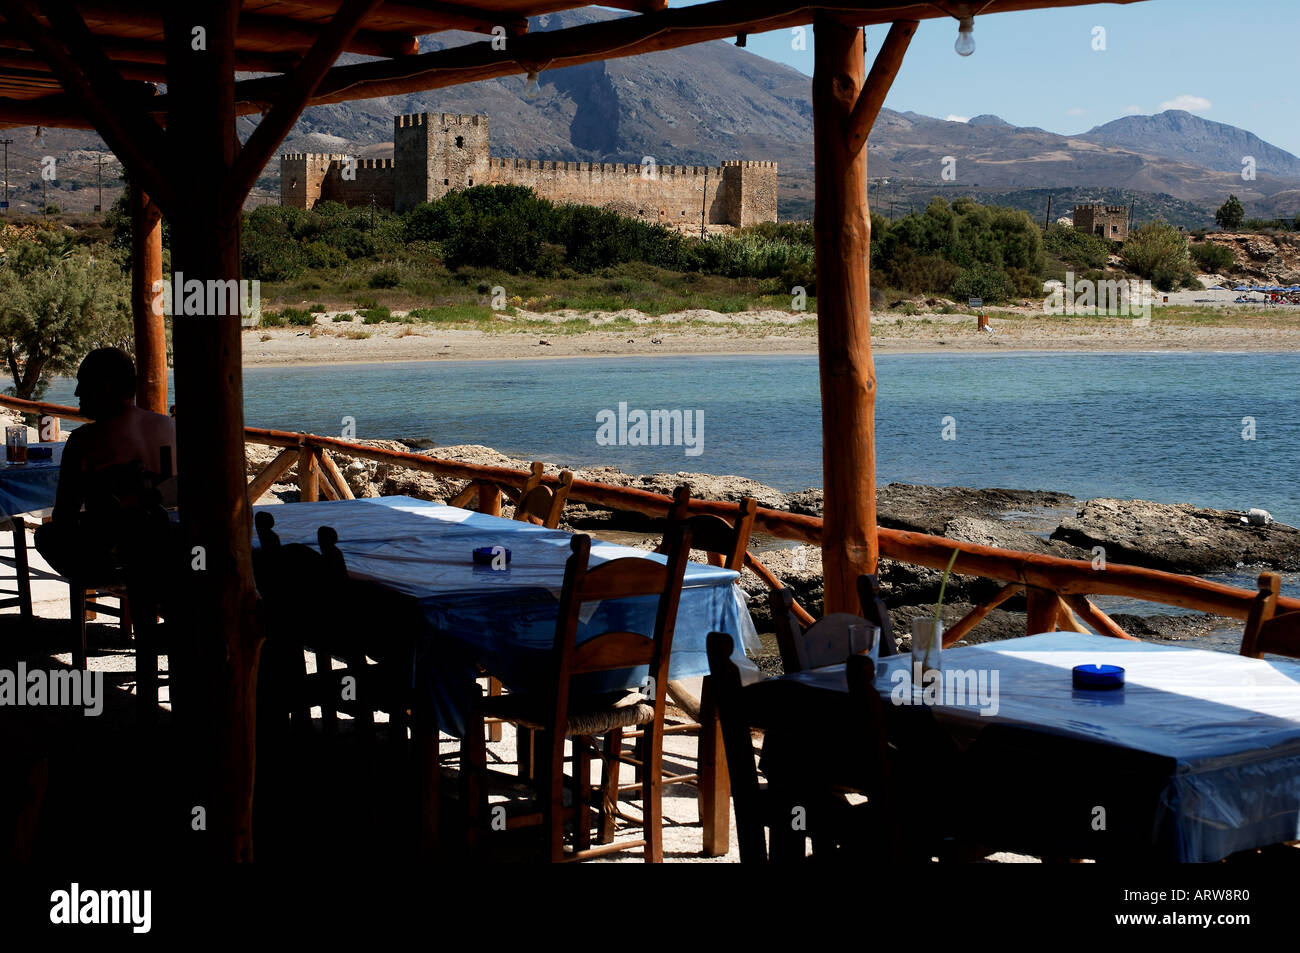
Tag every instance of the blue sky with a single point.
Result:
(1233, 63)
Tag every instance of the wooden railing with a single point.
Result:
(1056, 590)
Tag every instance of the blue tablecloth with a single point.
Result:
(29, 486)
(1230, 725)
(504, 621)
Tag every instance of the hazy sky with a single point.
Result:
(1229, 62)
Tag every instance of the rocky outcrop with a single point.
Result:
(1179, 537)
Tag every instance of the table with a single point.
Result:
(505, 621)
(25, 487)
(1200, 751)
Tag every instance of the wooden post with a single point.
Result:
(842, 231)
(489, 499)
(220, 601)
(308, 475)
(150, 336)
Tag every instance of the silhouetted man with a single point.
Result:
(107, 464)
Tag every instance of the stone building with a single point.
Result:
(1108, 221)
(432, 155)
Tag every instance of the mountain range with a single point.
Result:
(702, 104)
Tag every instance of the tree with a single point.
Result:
(1157, 251)
(58, 302)
(1230, 214)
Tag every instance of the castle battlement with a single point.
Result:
(436, 153)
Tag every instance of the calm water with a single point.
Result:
(1159, 426)
(1164, 427)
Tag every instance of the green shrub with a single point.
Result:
(273, 319)
(318, 309)
(344, 316)
(1076, 247)
(983, 281)
(376, 315)
(385, 278)
(298, 318)
(1212, 258)
(1157, 251)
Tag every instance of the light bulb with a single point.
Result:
(531, 89)
(965, 44)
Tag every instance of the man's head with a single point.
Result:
(106, 383)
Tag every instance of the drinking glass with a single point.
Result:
(16, 444)
(927, 639)
(865, 638)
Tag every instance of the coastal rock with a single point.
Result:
(1179, 537)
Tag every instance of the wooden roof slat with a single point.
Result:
(410, 17)
(627, 36)
(256, 32)
(124, 51)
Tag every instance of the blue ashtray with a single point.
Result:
(37, 452)
(1098, 677)
(484, 555)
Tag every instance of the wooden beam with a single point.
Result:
(273, 471)
(977, 615)
(146, 275)
(842, 235)
(1094, 617)
(1042, 606)
(223, 635)
(628, 36)
(98, 90)
(122, 52)
(883, 70)
(300, 84)
(420, 16)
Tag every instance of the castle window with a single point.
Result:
(640, 211)
(471, 181)
(460, 142)
(446, 181)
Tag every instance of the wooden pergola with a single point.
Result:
(98, 64)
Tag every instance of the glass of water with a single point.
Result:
(865, 638)
(927, 643)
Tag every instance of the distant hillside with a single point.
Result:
(706, 103)
(1178, 135)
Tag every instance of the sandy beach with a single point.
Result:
(1191, 321)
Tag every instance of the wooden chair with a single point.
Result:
(311, 602)
(538, 503)
(561, 711)
(827, 641)
(1266, 631)
(804, 794)
(724, 545)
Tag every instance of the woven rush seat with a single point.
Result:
(594, 715)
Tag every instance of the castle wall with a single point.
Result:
(435, 154)
(675, 195)
(371, 178)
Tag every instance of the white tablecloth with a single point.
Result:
(1231, 724)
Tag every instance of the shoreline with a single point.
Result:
(325, 344)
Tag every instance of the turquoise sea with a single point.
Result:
(1161, 426)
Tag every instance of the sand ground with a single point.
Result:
(1218, 325)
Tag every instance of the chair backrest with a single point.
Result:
(776, 704)
(1266, 631)
(828, 641)
(624, 578)
(724, 543)
(538, 502)
(296, 575)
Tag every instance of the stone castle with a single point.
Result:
(432, 155)
(1108, 221)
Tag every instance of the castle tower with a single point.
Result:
(1106, 221)
(434, 154)
(750, 192)
(302, 174)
